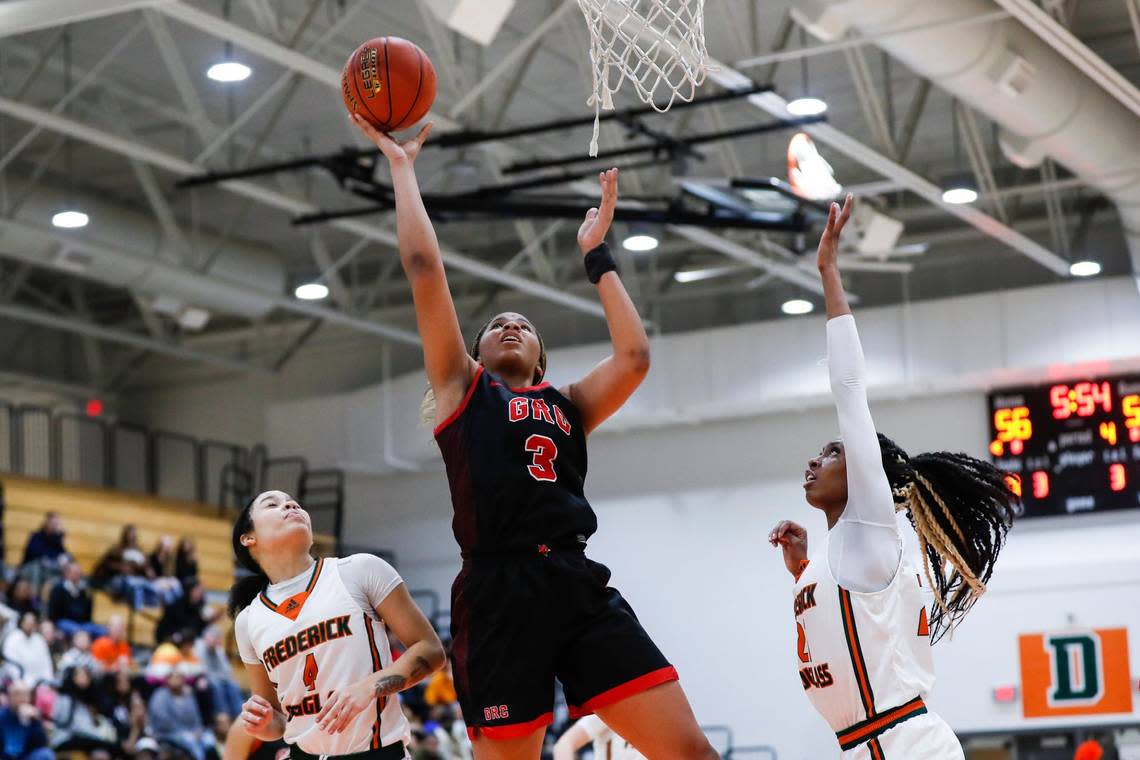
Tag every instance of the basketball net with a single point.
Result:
(658, 45)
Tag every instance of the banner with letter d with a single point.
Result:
(1075, 673)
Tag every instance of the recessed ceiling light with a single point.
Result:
(311, 291)
(228, 71)
(806, 107)
(640, 242)
(69, 220)
(797, 306)
(1084, 268)
(959, 196)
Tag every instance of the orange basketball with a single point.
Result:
(390, 82)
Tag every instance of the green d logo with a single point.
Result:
(1077, 669)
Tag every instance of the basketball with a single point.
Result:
(390, 82)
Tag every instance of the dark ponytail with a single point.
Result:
(246, 587)
(961, 508)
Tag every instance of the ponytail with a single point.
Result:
(961, 508)
(427, 405)
(246, 588)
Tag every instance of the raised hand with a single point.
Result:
(598, 220)
(828, 253)
(394, 151)
(792, 538)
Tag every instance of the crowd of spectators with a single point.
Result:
(70, 685)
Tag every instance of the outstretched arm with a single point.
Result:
(449, 368)
(863, 550)
(602, 392)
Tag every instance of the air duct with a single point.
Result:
(126, 249)
(1045, 105)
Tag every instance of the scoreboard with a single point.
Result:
(1074, 447)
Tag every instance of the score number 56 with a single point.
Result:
(1013, 427)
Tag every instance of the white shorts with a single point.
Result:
(923, 737)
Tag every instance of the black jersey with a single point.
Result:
(516, 463)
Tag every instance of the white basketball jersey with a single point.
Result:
(317, 641)
(864, 658)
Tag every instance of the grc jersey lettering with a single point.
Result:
(864, 661)
(318, 641)
(516, 465)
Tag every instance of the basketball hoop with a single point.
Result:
(658, 45)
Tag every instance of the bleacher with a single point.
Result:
(94, 517)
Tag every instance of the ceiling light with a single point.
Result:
(1084, 268)
(797, 306)
(228, 71)
(806, 106)
(959, 196)
(640, 242)
(69, 220)
(311, 291)
(707, 273)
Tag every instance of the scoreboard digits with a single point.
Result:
(1072, 447)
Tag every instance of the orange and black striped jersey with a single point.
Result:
(863, 658)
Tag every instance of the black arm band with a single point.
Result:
(598, 262)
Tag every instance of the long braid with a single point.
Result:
(961, 509)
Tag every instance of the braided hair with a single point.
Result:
(961, 508)
(427, 406)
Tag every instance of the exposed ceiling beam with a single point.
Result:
(23, 16)
(295, 207)
(112, 335)
(774, 105)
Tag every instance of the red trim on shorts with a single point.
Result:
(466, 400)
(626, 690)
(512, 730)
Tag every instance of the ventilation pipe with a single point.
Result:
(126, 249)
(1045, 106)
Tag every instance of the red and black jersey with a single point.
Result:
(516, 464)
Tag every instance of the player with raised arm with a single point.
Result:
(313, 636)
(863, 632)
(528, 606)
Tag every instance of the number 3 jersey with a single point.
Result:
(316, 633)
(516, 464)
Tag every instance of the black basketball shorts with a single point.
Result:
(519, 621)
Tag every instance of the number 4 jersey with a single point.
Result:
(318, 632)
(516, 463)
(864, 660)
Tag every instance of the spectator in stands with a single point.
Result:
(79, 725)
(112, 651)
(175, 719)
(427, 748)
(186, 562)
(125, 572)
(190, 612)
(21, 732)
(175, 653)
(69, 603)
(55, 640)
(22, 598)
(441, 688)
(212, 654)
(162, 570)
(79, 655)
(121, 701)
(44, 552)
(26, 648)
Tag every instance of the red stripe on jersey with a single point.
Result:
(462, 406)
(512, 730)
(625, 690)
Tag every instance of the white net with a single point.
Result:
(658, 45)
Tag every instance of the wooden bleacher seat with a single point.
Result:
(94, 517)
